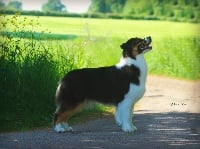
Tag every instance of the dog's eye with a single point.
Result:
(144, 42)
(141, 44)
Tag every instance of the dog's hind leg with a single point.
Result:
(63, 112)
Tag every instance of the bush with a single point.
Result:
(29, 72)
(172, 11)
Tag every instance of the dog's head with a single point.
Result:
(135, 46)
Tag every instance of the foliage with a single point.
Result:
(107, 6)
(98, 6)
(175, 10)
(2, 4)
(53, 5)
(29, 72)
(138, 7)
(17, 5)
(185, 14)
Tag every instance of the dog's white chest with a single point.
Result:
(141, 64)
(135, 91)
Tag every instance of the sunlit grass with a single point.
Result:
(112, 27)
(119, 28)
(175, 45)
(175, 57)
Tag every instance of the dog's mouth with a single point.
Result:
(144, 45)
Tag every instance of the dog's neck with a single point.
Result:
(139, 62)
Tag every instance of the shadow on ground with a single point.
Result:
(155, 130)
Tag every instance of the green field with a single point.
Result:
(175, 45)
(114, 28)
(37, 51)
(119, 28)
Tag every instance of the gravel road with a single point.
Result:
(168, 116)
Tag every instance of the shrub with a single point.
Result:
(29, 72)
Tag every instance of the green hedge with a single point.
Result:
(178, 14)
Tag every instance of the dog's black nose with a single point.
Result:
(147, 40)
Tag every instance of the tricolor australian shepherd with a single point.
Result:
(122, 84)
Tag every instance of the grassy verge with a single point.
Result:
(29, 72)
(175, 57)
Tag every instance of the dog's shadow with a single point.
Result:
(148, 123)
(98, 125)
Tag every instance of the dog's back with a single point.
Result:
(105, 84)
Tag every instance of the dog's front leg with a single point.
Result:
(124, 113)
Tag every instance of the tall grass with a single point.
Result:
(29, 72)
(175, 57)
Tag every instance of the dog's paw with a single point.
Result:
(129, 128)
(62, 127)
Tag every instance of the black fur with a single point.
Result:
(105, 84)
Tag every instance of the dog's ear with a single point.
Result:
(124, 46)
(127, 45)
(127, 48)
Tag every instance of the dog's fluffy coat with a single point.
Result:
(122, 84)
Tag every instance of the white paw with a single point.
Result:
(129, 128)
(62, 127)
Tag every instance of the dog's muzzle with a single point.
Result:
(147, 40)
(145, 45)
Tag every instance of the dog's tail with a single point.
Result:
(61, 97)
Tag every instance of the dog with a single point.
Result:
(122, 84)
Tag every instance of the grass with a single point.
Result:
(33, 59)
(110, 27)
(175, 57)
(178, 57)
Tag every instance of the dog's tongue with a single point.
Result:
(147, 47)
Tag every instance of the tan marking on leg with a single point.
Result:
(67, 113)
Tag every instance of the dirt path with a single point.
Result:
(170, 95)
(167, 117)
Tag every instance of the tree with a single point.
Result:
(53, 5)
(2, 4)
(138, 7)
(98, 6)
(116, 6)
(15, 5)
(129, 7)
(107, 6)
